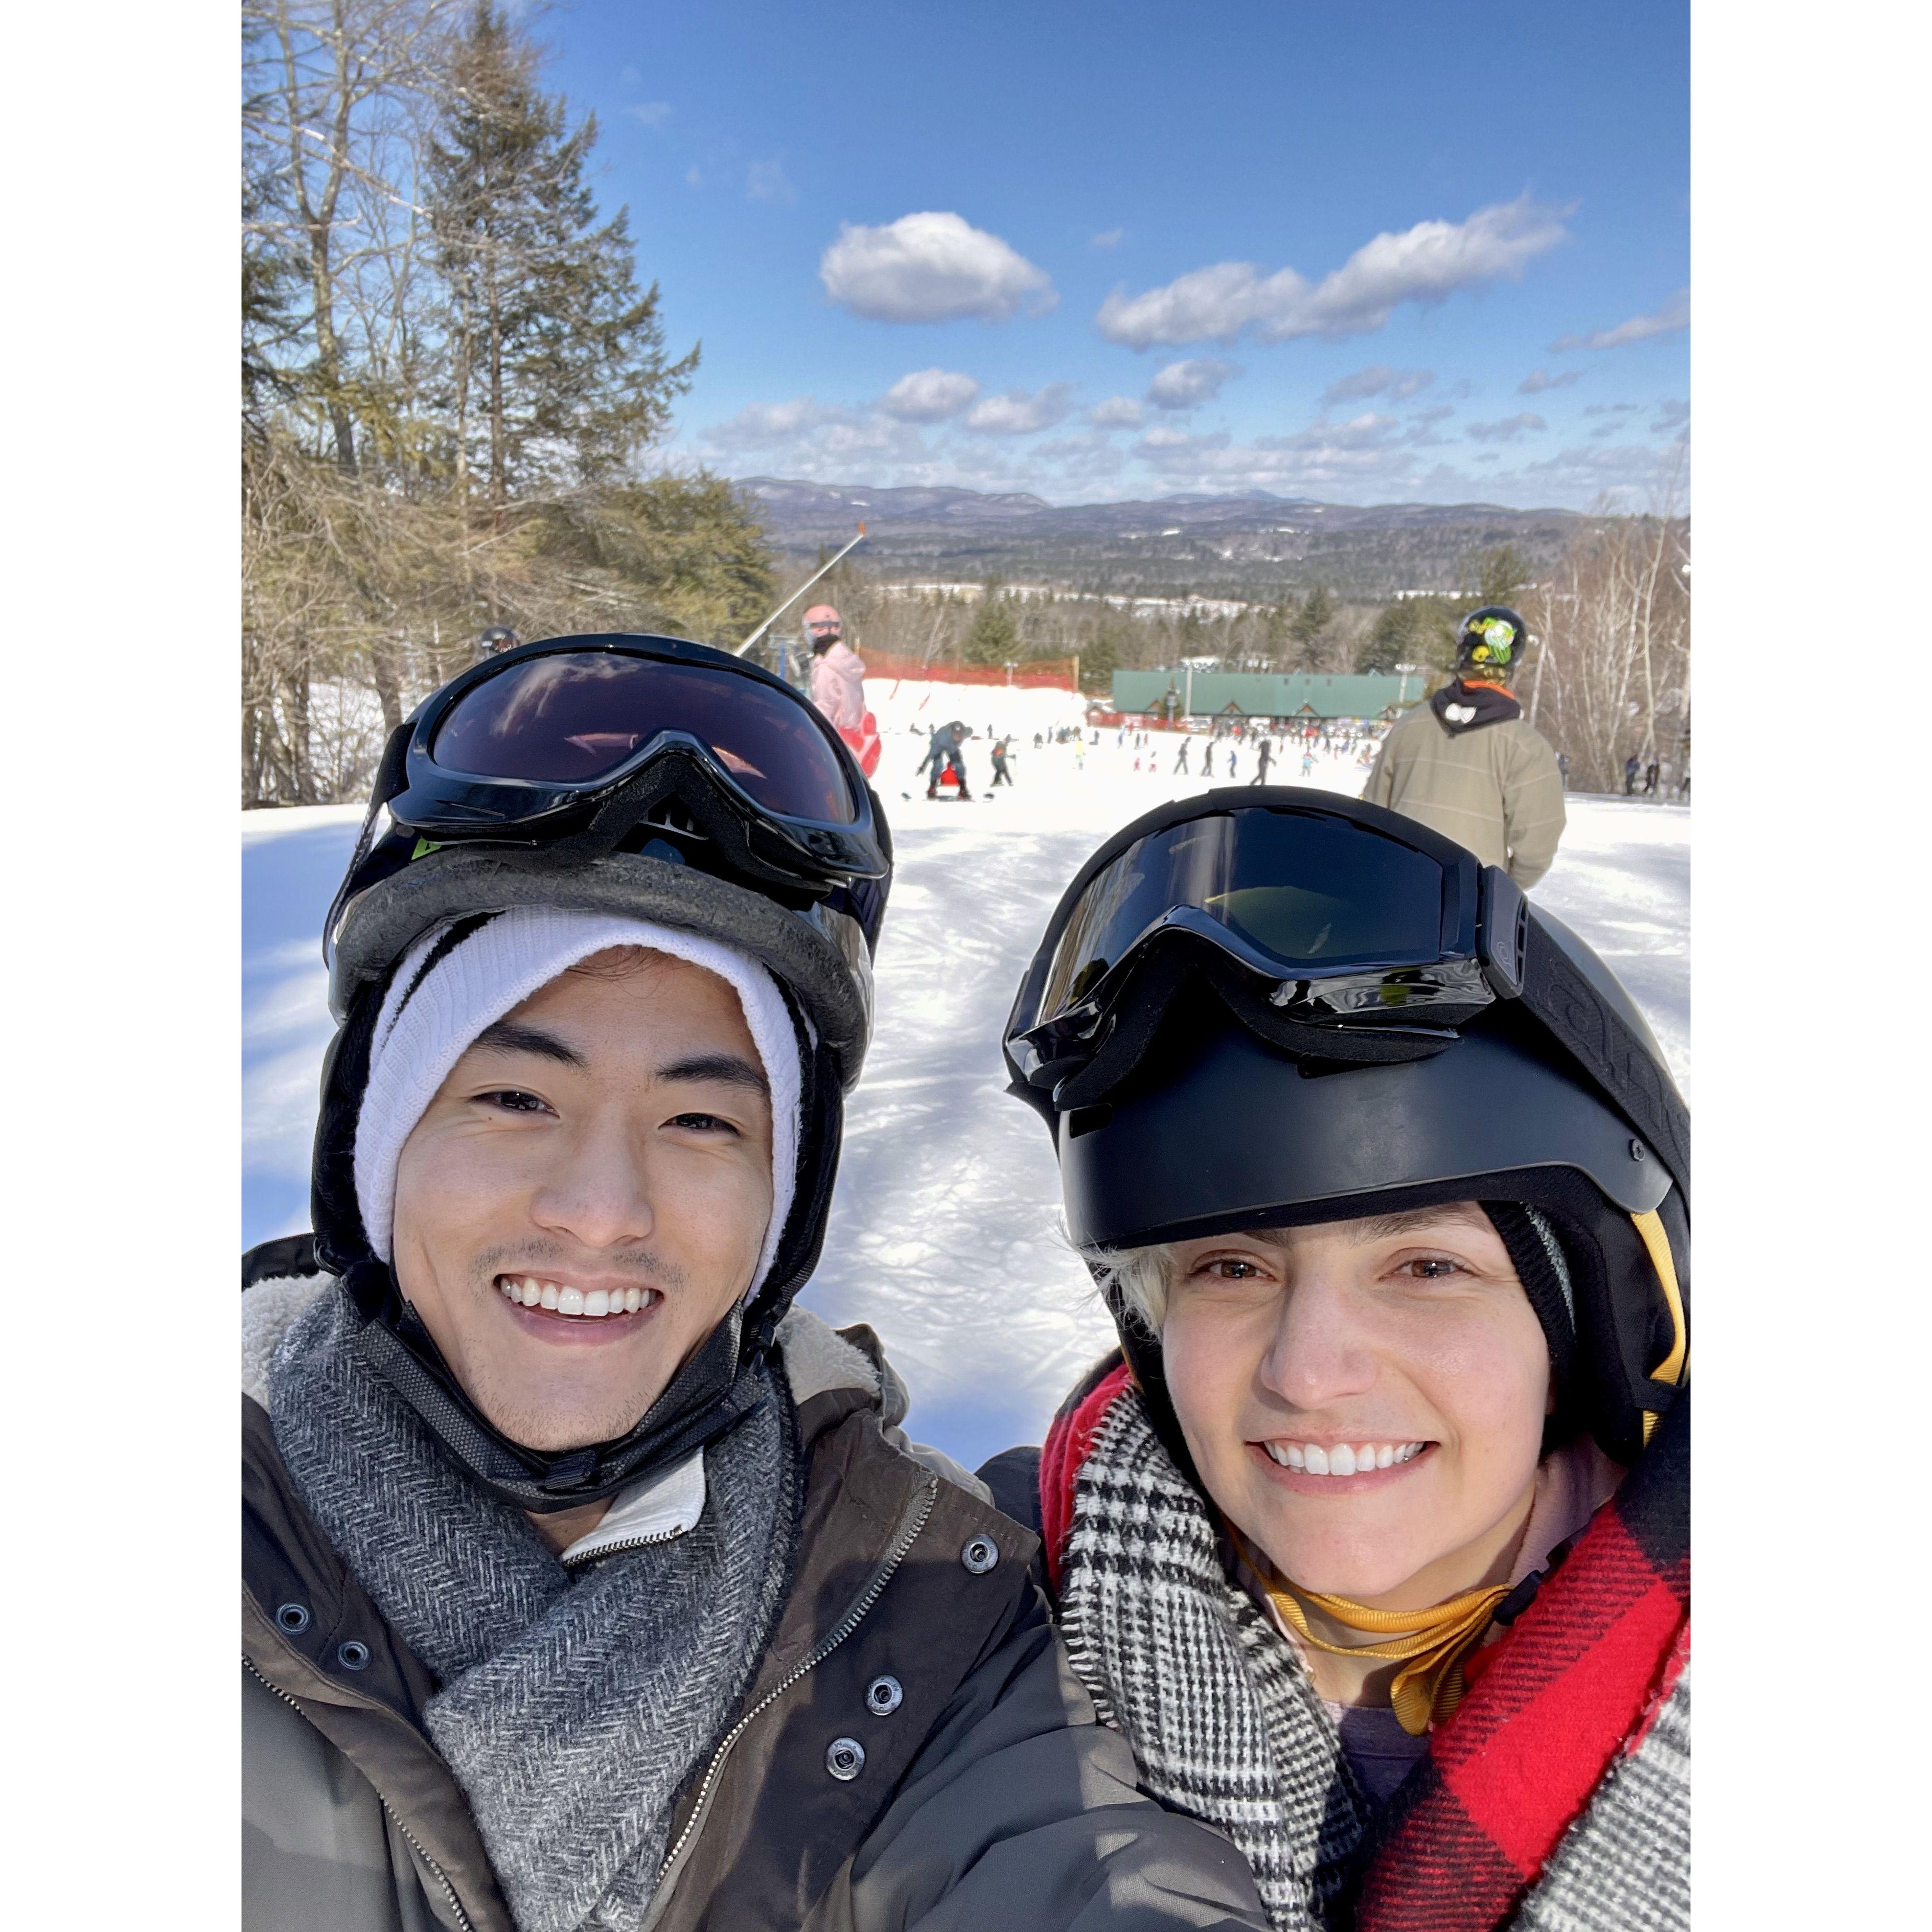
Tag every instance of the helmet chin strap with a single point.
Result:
(710, 1394)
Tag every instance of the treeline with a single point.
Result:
(1607, 675)
(450, 371)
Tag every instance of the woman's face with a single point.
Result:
(1363, 1399)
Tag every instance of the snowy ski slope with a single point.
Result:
(945, 1233)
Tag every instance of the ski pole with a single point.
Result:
(799, 592)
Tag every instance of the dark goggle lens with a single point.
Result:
(1321, 895)
(574, 717)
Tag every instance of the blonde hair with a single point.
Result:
(1135, 1280)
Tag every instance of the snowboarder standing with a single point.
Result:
(1180, 762)
(1467, 766)
(1266, 758)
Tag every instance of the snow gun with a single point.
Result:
(821, 570)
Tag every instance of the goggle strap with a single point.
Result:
(1592, 1031)
(389, 772)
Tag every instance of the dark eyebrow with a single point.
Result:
(726, 1069)
(509, 1037)
(1388, 1227)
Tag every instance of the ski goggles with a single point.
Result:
(606, 743)
(1336, 914)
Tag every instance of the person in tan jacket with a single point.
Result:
(1467, 765)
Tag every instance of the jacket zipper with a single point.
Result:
(415, 1844)
(630, 1543)
(910, 1526)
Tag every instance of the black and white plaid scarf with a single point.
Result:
(1224, 1722)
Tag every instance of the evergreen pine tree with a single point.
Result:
(994, 636)
(557, 371)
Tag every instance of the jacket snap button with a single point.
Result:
(353, 1655)
(883, 1696)
(845, 1758)
(980, 1554)
(293, 1617)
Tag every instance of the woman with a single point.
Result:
(1373, 1538)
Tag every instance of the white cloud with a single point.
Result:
(1108, 237)
(1379, 380)
(1426, 263)
(1510, 429)
(1674, 315)
(1116, 412)
(805, 437)
(930, 268)
(1016, 413)
(1186, 385)
(766, 181)
(929, 395)
(652, 113)
(1670, 415)
(1536, 382)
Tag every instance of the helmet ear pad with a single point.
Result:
(1623, 1325)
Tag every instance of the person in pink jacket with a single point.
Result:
(837, 671)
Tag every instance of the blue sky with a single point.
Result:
(1367, 253)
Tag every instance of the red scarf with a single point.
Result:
(1573, 1687)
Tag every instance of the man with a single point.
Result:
(837, 671)
(1630, 768)
(588, 1584)
(495, 640)
(1267, 757)
(1467, 765)
(944, 752)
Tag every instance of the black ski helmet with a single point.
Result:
(497, 638)
(1196, 1086)
(627, 862)
(1491, 641)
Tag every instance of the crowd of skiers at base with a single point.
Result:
(752, 1656)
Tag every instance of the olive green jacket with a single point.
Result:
(1496, 789)
(914, 1750)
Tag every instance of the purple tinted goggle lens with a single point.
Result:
(577, 717)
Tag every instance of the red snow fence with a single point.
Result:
(1034, 674)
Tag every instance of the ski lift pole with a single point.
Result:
(799, 592)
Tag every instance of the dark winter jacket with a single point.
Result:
(913, 1750)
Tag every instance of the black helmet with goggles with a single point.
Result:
(1491, 641)
(1269, 1006)
(644, 775)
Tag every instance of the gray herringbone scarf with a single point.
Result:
(1223, 1720)
(572, 1707)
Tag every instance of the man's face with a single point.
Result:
(1407, 1337)
(608, 1142)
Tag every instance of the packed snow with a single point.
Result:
(946, 1233)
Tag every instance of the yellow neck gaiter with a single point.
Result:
(1430, 1644)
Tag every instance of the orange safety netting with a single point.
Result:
(1037, 674)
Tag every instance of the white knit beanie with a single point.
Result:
(433, 1012)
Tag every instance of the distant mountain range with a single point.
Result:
(1250, 544)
